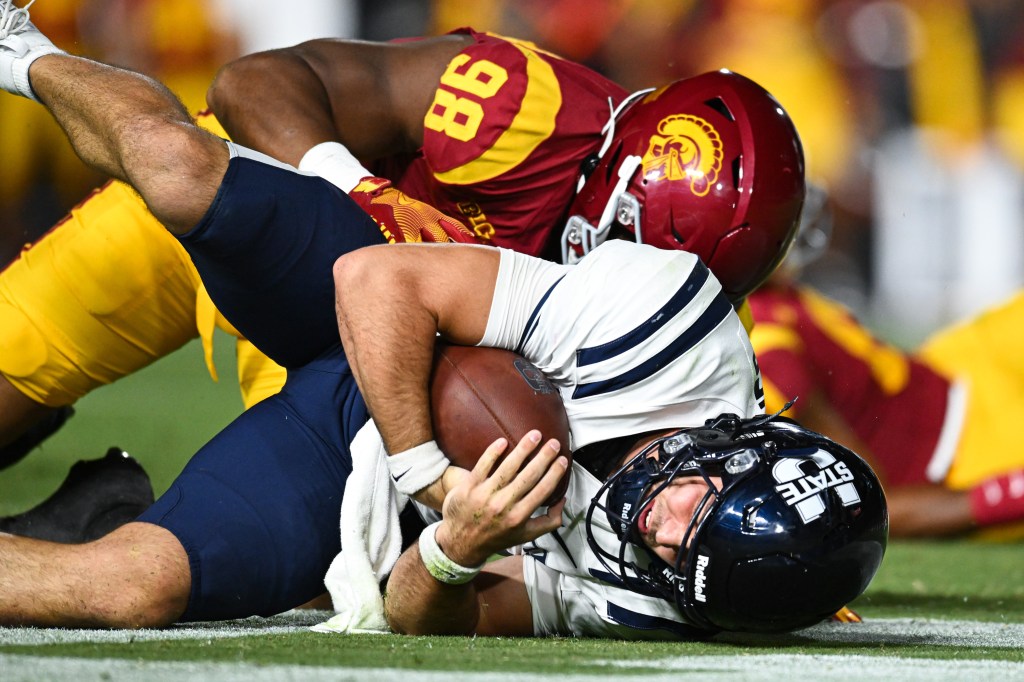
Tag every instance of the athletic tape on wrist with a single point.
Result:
(416, 468)
(333, 162)
(437, 562)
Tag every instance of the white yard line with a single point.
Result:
(890, 631)
(861, 662)
(295, 621)
(756, 668)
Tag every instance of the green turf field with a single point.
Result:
(936, 611)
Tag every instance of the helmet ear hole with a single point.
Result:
(589, 165)
(737, 170)
(719, 105)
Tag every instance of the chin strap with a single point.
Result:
(609, 128)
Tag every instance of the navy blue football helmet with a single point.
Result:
(796, 530)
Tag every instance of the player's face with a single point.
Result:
(663, 522)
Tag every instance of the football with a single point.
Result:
(478, 395)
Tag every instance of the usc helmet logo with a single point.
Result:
(685, 148)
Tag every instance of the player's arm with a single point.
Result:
(371, 97)
(495, 603)
(391, 303)
(440, 585)
(930, 510)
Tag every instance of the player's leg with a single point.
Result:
(120, 123)
(265, 252)
(257, 508)
(103, 294)
(138, 576)
(249, 527)
(132, 128)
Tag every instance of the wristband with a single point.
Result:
(437, 562)
(416, 468)
(333, 162)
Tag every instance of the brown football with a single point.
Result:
(478, 395)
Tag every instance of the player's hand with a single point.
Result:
(433, 495)
(404, 219)
(488, 512)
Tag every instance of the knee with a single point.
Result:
(144, 581)
(180, 175)
(355, 271)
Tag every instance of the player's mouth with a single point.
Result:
(643, 523)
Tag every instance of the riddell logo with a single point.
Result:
(686, 148)
(700, 578)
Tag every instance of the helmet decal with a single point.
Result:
(804, 491)
(685, 148)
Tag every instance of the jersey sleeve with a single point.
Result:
(500, 100)
(522, 285)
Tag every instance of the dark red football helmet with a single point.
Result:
(710, 164)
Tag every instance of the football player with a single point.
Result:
(249, 525)
(524, 147)
(935, 424)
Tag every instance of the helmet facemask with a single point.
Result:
(622, 208)
(628, 493)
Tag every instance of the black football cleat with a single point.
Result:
(97, 496)
(13, 452)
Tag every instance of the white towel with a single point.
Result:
(371, 540)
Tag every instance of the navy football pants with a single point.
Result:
(256, 509)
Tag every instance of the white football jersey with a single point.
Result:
(636, 339)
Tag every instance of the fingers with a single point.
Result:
(549, 477)
(542, 525)
(518, 479)
(490, 456)
(531, 484)
(493, 507)
(513, 462)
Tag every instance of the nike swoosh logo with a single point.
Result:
(395, 478)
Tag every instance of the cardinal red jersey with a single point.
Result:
(811, 348)
(503, 141)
